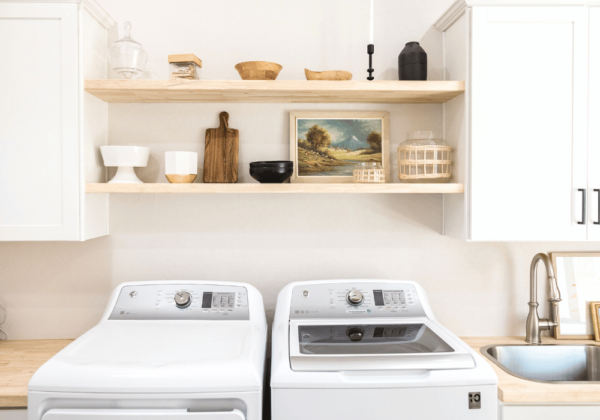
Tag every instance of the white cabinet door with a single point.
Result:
(39, 144)
(10, 414)
(548, 412)
(529, 123)
(594, 127)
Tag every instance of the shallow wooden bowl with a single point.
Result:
(328, 75)
(258, 70)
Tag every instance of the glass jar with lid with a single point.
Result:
(424, 158)
(126, 56)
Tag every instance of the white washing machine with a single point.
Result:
(184, 350)
(372, 349)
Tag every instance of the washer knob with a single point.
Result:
(183, 299)
(355, 334)
(355, 297)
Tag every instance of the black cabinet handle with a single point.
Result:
(598, 222)
(582, 207)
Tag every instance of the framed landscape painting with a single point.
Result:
(325, 145)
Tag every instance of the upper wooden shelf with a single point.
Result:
(294, 91)
(296, 188)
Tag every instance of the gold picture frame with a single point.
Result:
(322, 166)
(594, 308)
(576, 321)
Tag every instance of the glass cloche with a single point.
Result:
(126, 56)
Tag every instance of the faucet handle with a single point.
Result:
(553, 292)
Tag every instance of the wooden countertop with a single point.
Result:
(19, 359)
(514, 390)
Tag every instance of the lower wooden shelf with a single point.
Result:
(255, 188)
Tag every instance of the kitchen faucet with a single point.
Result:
(534, 324)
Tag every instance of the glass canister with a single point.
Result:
(369, 172)
(185, 66)
(424, 157)
(126, 56)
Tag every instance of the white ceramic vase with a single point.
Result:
(181, 167)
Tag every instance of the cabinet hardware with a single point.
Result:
(598, 221)
(582, 207)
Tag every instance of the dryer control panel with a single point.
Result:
(346, 300)
(173, 301)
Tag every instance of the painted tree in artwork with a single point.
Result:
(374, 140)
(318, 137)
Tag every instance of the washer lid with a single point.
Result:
(374, 346)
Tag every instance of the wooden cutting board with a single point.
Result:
(221, 152)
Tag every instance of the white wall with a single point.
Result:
(56, 290)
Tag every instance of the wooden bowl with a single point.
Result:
(328, 75)
(258, 70)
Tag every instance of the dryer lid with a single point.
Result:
(373, 346)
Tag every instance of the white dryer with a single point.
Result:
(169, 350)
(372, 349)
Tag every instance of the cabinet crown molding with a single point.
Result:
(99, 13)
(458, 8)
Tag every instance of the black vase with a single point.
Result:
(412, 62)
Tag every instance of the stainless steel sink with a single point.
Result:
(548, 363)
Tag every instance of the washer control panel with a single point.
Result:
(173, 301)
(346, 300)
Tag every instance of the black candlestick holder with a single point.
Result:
(370, 51)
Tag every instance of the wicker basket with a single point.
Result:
(369, 173)
(419, 162)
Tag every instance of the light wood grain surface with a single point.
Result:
(514, 390)
(290, 91)
(19, 359)
(296, 188)
(185, 58)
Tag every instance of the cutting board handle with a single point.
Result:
(224, 121)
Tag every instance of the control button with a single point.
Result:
(305, 293)
(183, 299)
(355, 334)
(133, 294)
(355, 297)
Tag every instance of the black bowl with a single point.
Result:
(271, 174)
(272, 164)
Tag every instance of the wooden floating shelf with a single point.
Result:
(290, 91)
(255, 188)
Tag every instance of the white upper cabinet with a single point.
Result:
(594, 128)
(49, 127)
(521, 131)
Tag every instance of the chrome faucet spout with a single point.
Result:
(534, 325)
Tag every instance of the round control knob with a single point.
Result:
(183, 299)
(355, 334)
(355, 297)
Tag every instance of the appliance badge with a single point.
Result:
(474, 400)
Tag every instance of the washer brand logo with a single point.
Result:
(474, 400)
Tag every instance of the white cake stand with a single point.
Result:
(125, 158)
